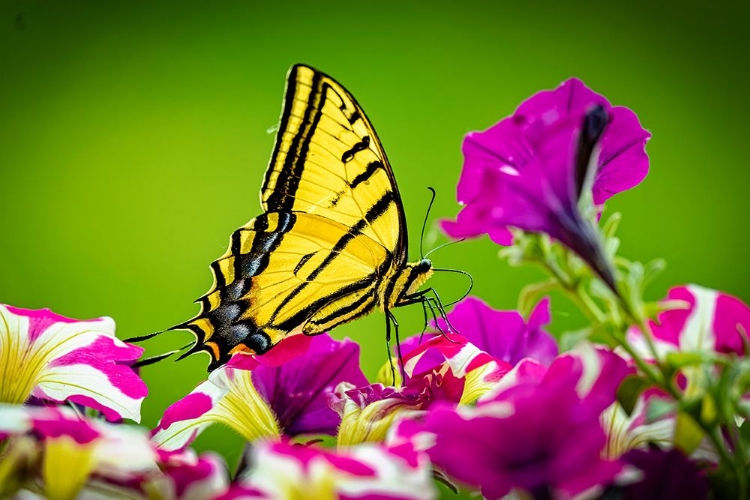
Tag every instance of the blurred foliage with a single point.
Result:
(134, 137)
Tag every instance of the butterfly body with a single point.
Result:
(331, 245)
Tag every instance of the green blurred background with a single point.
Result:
(134, 137)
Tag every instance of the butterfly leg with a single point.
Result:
(421, 296)
(388, 345)
(390, 318)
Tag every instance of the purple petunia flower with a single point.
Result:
(531, 169)
(504, 334)
(666, 474)
(297, 390)
(58, 359)
(540, 433)
(289, 399)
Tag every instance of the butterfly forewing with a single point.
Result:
(328, 161)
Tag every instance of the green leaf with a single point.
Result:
(652, 270)
(745, 431)
(659, 408)
(528, 297)
(630, 388)
(709, 412)
(687, 433)
(677, 360)
(568, 340)
(610, 226)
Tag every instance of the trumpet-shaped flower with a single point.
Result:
(504, 334)
(365, 472)
(56, 452)
(70, 450)
(540, 433)
(665, 474)
(531, 169)
(54, 358)
(261, 402)
(447, 369)
(297, 390)
(703, 320)
(187, 476)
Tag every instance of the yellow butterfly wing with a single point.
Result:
(279, 277)
(328, 161)
(332, 242)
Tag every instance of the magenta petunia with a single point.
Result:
(530, 170)
(504, 334)
(540, 433)
(58, 359)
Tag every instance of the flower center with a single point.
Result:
(21, 361)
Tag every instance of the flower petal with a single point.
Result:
(60, 359)
(367, 471)
(504, 334)
(228, 397)
(297, 390)
(708, 320)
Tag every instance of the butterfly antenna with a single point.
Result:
(447, 243)
(458, 271)
(424, 224)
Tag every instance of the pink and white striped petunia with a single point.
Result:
(56, 450)
(442, 369)
(54, 358)
(708, 320)
(261, 401)
(228, 397)
(187, 476)
(60, 455)
(364, 472)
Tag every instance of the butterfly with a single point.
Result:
(331, 244)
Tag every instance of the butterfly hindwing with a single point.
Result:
(285, 273)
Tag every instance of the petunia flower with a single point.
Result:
(504, 334)
(297, 390)
(540, 434)
(365, 472)
(262, 402)
(54, 358)
(705, 320)
(531, 170)
(187, 476)
(665, 474)
(70, 453)
(447, 369)
(635, 431)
